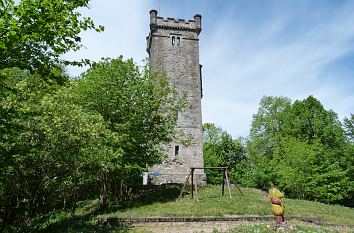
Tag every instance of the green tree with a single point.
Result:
(51, 149)
(268, 124)
(266, 132)
(220, 150)
(349, 127)
(302, 148)
(211, 133)
(137, 105)
(309, 121)
(212, 158)
(35, 33)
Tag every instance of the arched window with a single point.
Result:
(173, 40)
(176, 150)
(178, 42)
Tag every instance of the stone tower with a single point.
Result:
(173, 47)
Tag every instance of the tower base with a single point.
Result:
(165, 178)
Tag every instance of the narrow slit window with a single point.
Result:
(173, 40)
(176, 150)
(178, 43)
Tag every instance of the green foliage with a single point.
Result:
(302, 148)
(293, 166)
(50, 147)
(267, 125)
(210, 203)
(308, 121)
(220, 150)
(60, 144)
(349, 127)
(35, 33)
(139, 106)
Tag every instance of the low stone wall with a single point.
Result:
(212, 219)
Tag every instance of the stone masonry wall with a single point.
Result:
(173, 47)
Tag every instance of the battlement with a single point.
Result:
(173, 23)
(173, 47)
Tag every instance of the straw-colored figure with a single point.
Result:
(275, 197)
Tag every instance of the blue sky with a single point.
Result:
(248, 49)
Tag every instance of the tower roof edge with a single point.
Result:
(153, 11)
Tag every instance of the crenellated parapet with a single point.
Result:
(173, 23)
(173, 47)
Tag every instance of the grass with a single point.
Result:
(241, 227)
(253, 202)
(163, 202)
(268, 228)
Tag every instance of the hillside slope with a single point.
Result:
(254, 202)
(164, 202)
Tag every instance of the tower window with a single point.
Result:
(178, 42)
(176, 150)
(173, 40)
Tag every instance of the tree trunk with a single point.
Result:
(104, 195)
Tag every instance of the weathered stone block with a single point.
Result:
(173, 47)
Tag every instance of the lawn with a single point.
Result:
(254, 202)
(164, 202)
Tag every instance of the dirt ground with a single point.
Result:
(190, 227)
(203, 227)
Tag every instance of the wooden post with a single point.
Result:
(223, 182)
(192, 172)
(239, 189)
(194, 186)
(228, 182)
(185, 184)
(196, 191)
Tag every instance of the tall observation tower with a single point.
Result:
(173, 47)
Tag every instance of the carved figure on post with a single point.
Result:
(278, 207)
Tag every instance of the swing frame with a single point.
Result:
(225, 178)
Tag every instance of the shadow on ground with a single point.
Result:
(146, 196)
(83, 224)
(86, 222)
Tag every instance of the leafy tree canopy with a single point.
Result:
(268, 124)
(61, 142)
(137, 105)
(51, 149)
(35, 33)
(349, 127)
(301, 146)
(220, 150)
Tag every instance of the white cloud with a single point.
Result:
(126, 27)
(242, 63)
(247, 51)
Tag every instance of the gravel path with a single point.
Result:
(209, 227)
(181, 227)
